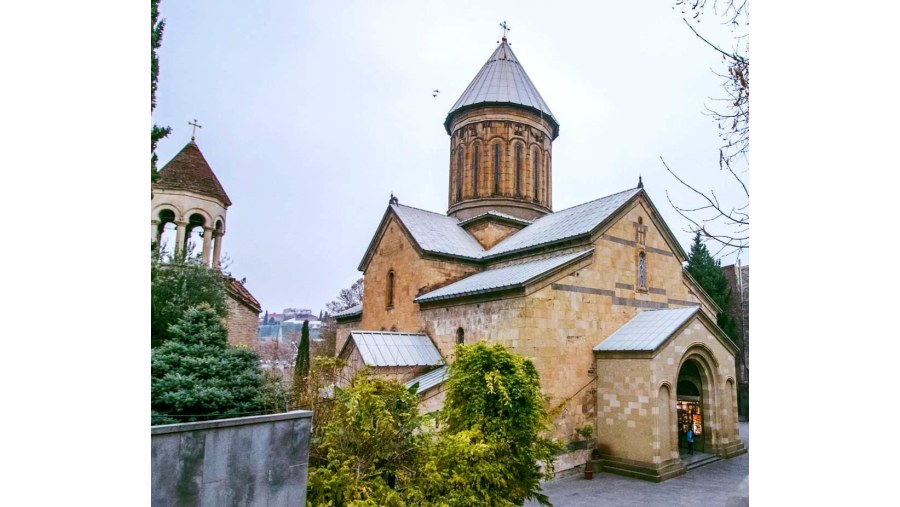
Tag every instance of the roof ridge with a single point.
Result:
(425, 210)
(592, 200)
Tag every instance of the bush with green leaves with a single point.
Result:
(196, 376)
(492, 426)
(370, 447)
(178, 285)
(485, 447)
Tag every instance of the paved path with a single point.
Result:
(725, 483)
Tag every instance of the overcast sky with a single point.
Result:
(314, 112)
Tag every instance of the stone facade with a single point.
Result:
(490, 232)
(413, 274)
(241, 322)
(637, 427)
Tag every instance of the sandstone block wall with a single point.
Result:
(241, 323)
(412, 275)
(638, 398)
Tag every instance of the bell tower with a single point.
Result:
(501, 134)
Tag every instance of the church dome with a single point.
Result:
(502, 81)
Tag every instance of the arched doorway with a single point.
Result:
(690, 395)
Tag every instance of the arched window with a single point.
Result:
(390, 289)
(460, 336)
(475, 173)
(642, 270)
(547, 184)
(518, 170)
(534, 190)
(459, 174)
(496, 168)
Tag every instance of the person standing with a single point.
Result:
(690, 441)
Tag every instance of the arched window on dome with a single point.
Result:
(496, 169)
(537, 176)
(459, 174)
(518, 170)
(475, 163)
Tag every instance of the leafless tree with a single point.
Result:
(726, 225)
(347, 298)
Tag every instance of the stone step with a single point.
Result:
(698, 461)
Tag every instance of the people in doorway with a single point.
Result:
(690, 440)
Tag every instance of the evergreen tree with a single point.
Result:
(197, 376)
(156, 32)
(301, 366)
(178, 285)
(708, 273)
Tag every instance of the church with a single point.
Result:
(625, 341)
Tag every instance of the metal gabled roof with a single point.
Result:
(503, 278)
(353, 310)
(438, 233)
(502, 80)
(495, 214)
(384, 348)
(647, 330)
(430, 379)
(565, 224)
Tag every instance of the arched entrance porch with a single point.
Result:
(695, 402)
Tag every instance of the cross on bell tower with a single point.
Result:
(196, 126)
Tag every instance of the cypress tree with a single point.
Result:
(301, 367)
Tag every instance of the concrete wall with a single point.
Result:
(248, 461)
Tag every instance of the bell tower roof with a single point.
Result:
(502, 80)
(189, 170)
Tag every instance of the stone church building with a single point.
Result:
(623, 338)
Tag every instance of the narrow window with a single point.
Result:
(518, 171)
(460, 336)
(390, 289)
(534, 191)
(642, 270)
(475, 174)
(496, 168)
(459, 174)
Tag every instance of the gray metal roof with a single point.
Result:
(568, 223)
(438, 233)
(647, 330)
(353, 310)
(501, 278)
(502, 79)
(493, 213)
(383, 348)
(430, 379)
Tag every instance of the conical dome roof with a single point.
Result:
(188, 170)
(502, 80)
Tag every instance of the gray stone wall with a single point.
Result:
(248, 461)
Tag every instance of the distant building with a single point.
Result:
(739, 281)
